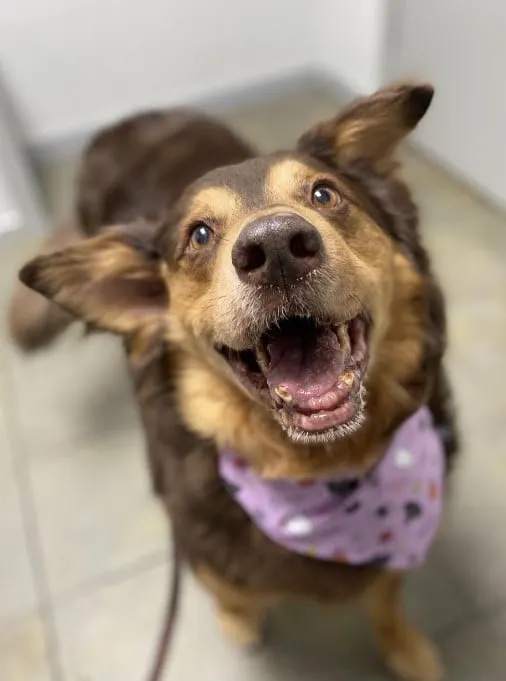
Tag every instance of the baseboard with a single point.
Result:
(480, 193)
(216, 100)
(331, 81)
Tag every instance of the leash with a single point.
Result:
(164, 646)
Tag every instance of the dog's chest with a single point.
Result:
(388, 516)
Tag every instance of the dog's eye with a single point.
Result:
(324, 195)
(201, 235)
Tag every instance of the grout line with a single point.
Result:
(105, 579)
(114, 576)
(214, 99)
(21, 471)
(46, 602)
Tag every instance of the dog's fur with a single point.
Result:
(174, 301)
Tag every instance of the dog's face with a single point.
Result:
(282, 281)
(273, 272)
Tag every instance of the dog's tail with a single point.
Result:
(35, 321)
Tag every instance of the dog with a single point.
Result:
(286, 334)
(133, 169)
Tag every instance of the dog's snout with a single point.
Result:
(277, 250)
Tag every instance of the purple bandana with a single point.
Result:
(389, 516)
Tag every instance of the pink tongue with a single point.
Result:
(307, 366)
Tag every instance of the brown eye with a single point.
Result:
(324, 195)
(201, 235)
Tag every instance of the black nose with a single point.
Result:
(277, 250)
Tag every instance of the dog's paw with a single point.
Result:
(245, 631)
(415, 658)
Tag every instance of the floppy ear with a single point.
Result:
(368, 130)
(113, 281)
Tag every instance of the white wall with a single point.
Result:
(20, 201)
(351, 41)
(73, 65)
(461, 48)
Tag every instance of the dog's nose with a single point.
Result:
(277, 250)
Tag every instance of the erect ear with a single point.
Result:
(368, 130)
(114, 281)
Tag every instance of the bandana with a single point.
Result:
(386, 517)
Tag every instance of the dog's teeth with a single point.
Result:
(343, 336)
(347, 378)
(262, 357)
(283, 394)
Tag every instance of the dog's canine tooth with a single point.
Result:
(262, 357)
(283, 394)
(343, 336)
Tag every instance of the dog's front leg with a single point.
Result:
(407, 652)
(240, 614)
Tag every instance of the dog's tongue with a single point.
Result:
(305, 366)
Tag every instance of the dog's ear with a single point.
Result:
(368, 130)
(113, 281)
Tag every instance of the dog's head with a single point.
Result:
(280, 274)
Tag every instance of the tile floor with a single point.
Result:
(83, 555)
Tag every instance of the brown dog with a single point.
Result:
(282, 308)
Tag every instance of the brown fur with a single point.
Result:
(174, 302)
(134, 169)
(407, 652)
(220, 411)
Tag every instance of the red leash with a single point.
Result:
(171, 611)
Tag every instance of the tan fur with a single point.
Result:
(374, 265)
(220, 410)
(286, 177)
(357, 272)
(220, 203)
(372, 127)
(86, 269)
(34, 320)
(241, 614)
(408, 654)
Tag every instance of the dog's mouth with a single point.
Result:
(311, 374)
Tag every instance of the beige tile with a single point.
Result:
(74, 394)
(477, 651)
(22, 652)
(433, 601)
(15, 250)
(112, 634)
(70, 395)
(279, 123)
(17, 589)
(310, 642)
(468, 242)
(472, 547)
(95, 510)
(450, 210)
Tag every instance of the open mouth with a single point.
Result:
(311, 374)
